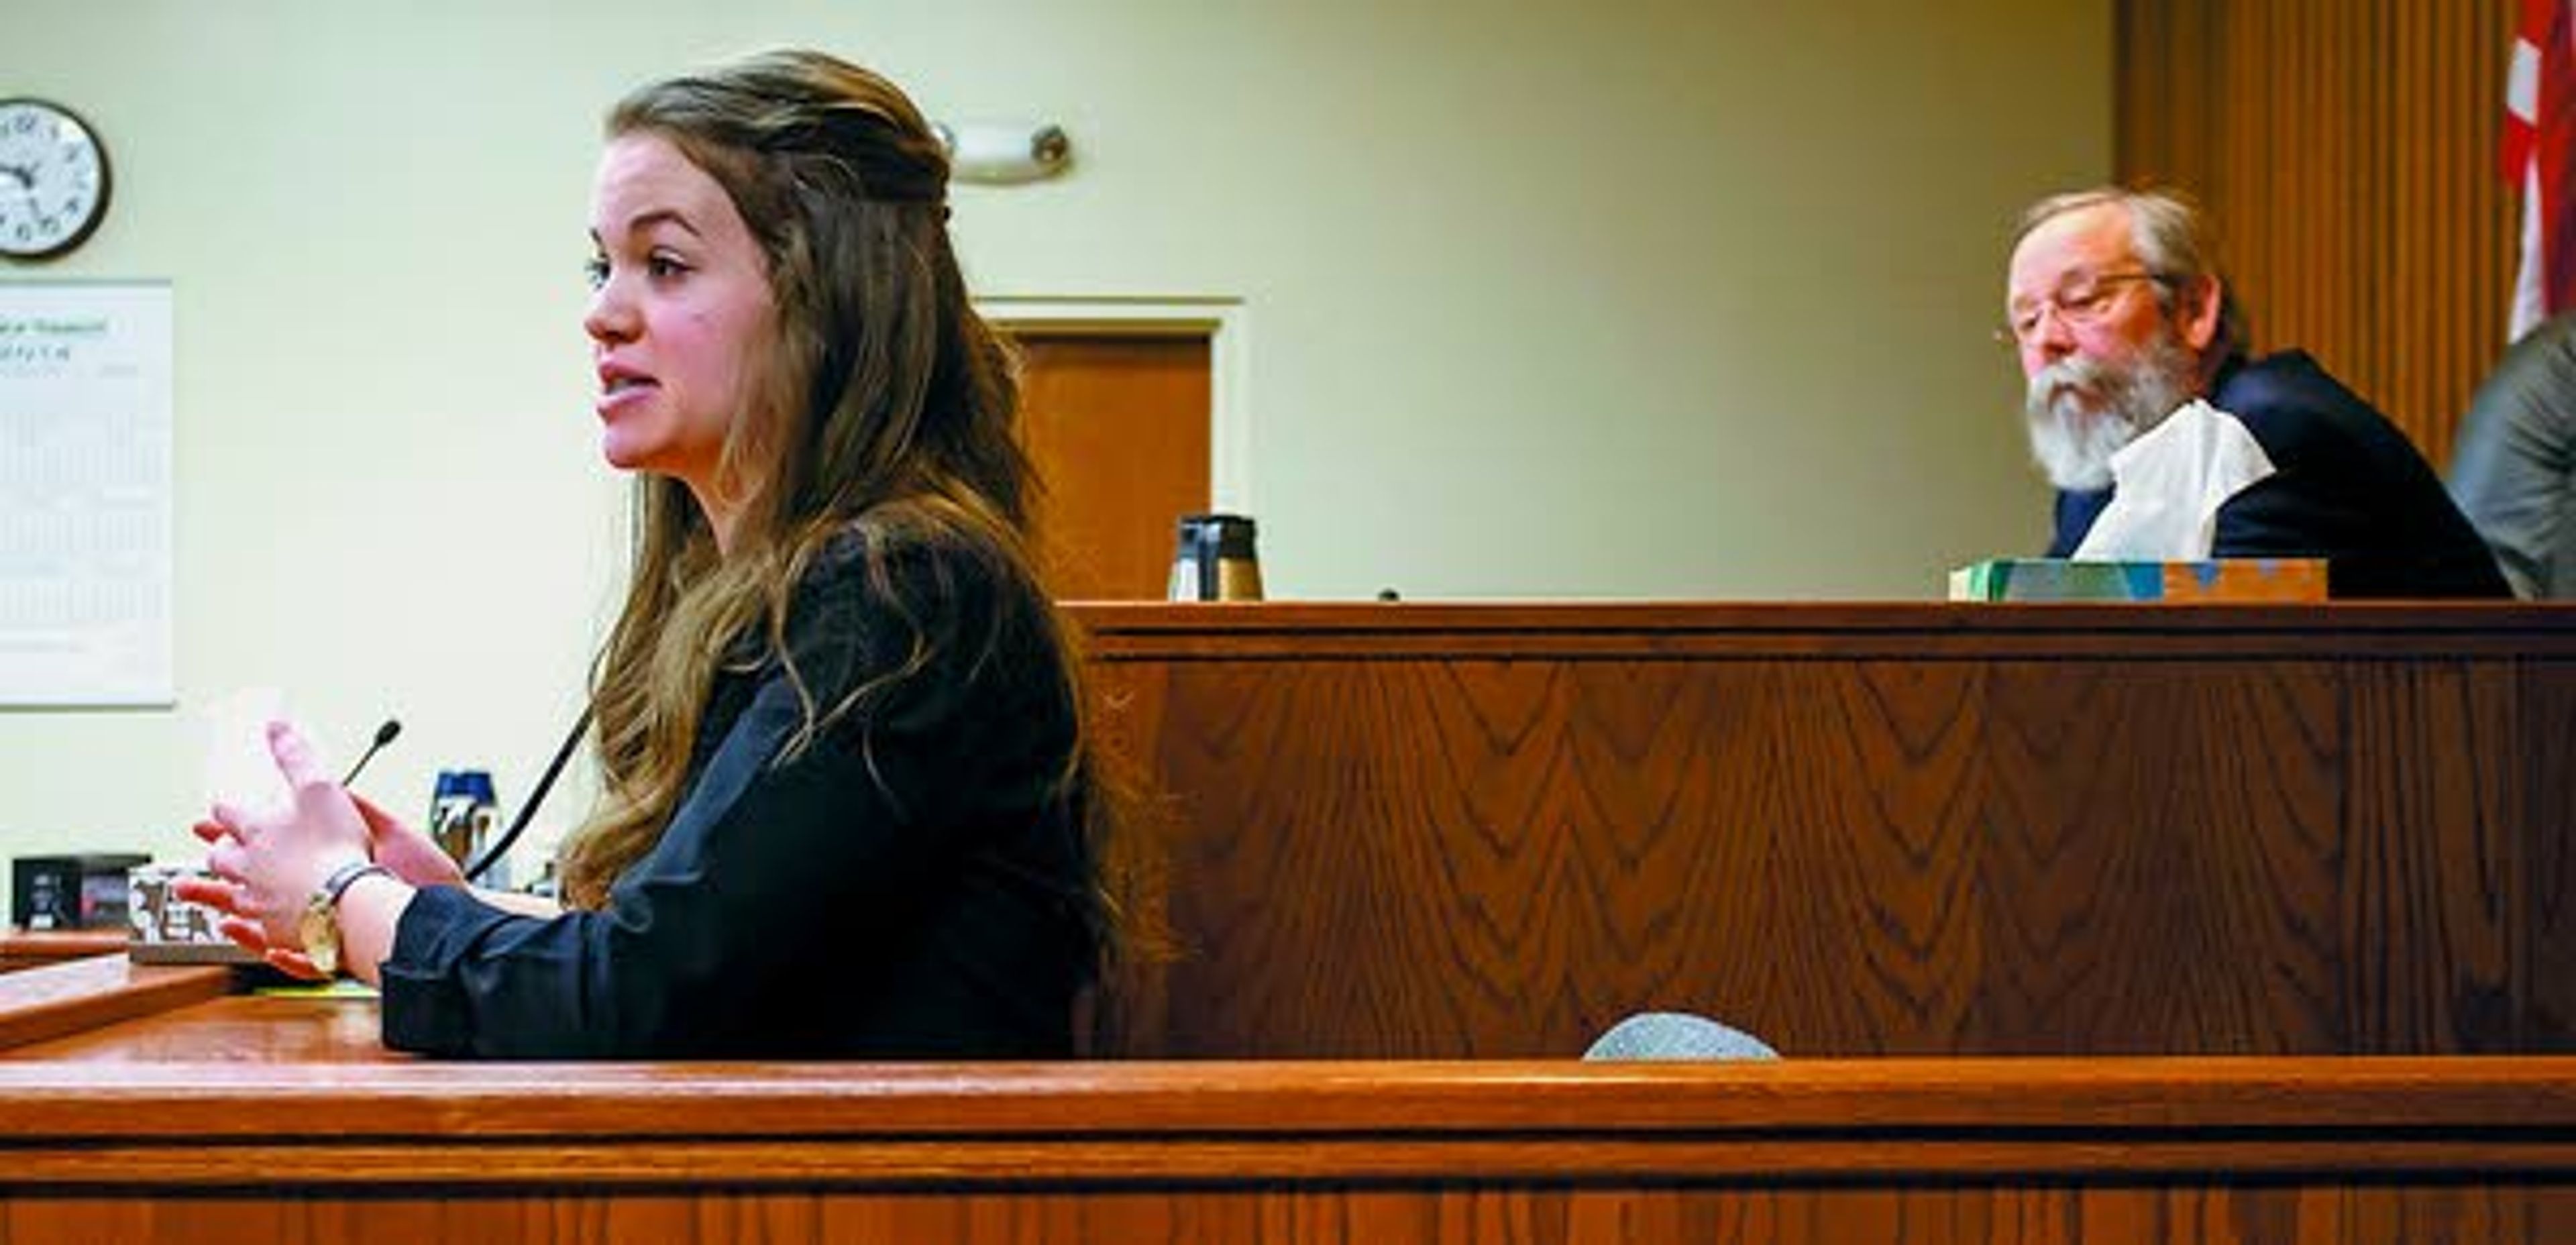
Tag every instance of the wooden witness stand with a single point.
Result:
(1956, 794)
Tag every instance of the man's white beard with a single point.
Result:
(2081, 411)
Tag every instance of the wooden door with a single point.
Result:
(1118, 424)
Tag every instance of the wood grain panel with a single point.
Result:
(2436, 836)
(1487, 852)
(2546, 747)
(20, 948)
(2013, 1215)
(1903, 631)
(2347, 151)
(2040, 1150)
(1443, 831)
(314, 1085)
(2162, 845)
(1819, 909)
(1499, 859)
(72, 996)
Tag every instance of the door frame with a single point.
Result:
(1223, 322)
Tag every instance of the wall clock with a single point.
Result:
(53, 179)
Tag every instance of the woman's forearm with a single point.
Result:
(371, 911)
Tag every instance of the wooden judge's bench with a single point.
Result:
(2077, 924)
(1490, 831)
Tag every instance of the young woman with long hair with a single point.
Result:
(850, 805)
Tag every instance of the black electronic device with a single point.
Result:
(86, 891)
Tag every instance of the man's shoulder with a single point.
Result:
(2290, 382)
(2294, 407)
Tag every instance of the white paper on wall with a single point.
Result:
(85, 436)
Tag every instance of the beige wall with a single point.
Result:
(1641, 298)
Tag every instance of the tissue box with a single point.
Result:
(2058, 579)
(171, 930)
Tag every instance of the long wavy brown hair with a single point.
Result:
(887, 408)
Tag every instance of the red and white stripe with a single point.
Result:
(2539, 152)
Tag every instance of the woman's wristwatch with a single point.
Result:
(320, 928)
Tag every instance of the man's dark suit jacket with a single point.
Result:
(2347, 487)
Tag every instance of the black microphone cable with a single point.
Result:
(528, 811)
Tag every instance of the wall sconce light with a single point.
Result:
(997, 153)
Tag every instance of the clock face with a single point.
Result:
(53, 179)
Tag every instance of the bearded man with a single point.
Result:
(2165, 442)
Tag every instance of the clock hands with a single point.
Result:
(53, 179)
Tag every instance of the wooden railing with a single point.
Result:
(254, 1118)
(28, 949)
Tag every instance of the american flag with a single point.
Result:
(2540, 156)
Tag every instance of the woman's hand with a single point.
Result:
(267, 864)
(413, 856)
(218, 895)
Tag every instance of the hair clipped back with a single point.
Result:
(885, 407)
(794, 102)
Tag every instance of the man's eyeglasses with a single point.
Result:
(2081, 303)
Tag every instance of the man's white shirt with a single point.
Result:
(2168, 484)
